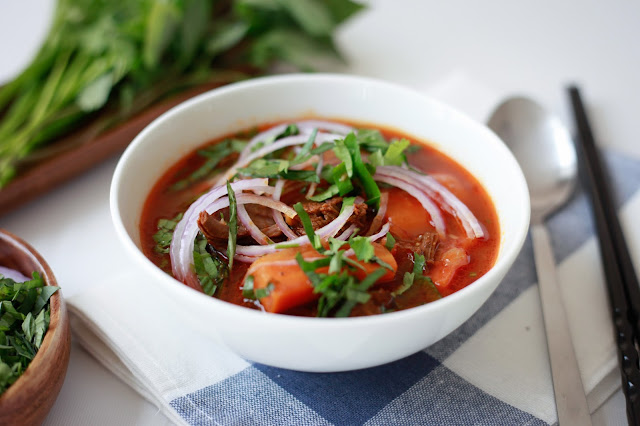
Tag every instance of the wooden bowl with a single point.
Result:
(29, 399)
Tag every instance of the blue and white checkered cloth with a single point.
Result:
(492, 370)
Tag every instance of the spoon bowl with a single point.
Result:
(543, 147)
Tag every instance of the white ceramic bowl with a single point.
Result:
(322, 344)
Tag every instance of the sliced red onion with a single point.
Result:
(347, 233)
(326, 231)
(305, 127)
(182, 264)
(282, 143)
(379, 217)
(187, 228)
(313, 186)
(12, 274)
(383, 231)
(277, 216)
(309, 125)
(254, 231)
(372, 238)
(440, 193)
(414, 190)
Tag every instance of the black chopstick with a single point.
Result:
(622, 282)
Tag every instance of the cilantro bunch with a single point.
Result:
(118, 57)
(24, 320)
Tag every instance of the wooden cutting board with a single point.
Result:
(47, 174)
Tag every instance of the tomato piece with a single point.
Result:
(446, 265)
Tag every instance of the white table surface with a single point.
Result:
(527, 47)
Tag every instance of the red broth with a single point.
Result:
(409, 221)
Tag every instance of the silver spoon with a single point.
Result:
(543, 147)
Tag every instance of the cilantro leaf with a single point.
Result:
(209, 268)
(362, 247)
(416, 276)
(165, 233)
(214, 155)
(391, 242)
(24, 320)
(363, 174)
(233, 225)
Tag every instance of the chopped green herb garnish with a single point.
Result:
(473, 274)
(391, 242)
(416, 276)
(304, 152)
(363, 174)
(214, 155)
(308, 227)
(233, 225)
(326, 194)
(371, 140)
(394, 156)
(362, 247)
(209, 268)
(24, 319)
(165, 233)
(251, 293)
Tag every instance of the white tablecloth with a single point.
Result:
(535, 48)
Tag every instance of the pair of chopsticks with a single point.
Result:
(622, 283)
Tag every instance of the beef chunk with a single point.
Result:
(215, 228)
(425, 245)
(324, 212)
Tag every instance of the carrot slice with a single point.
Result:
(408, 218)
(291, 286)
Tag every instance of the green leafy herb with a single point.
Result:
(277, 168)
(119, 57)
(362, 247)
(210, 269)
(362, 172)
(326, 194)
(394, 156)
(213, 154)
(24, 320)
(165, 233)
(248, 292)
(391, 242)
(416, 276)
(339, 291)
(308, 227)
(233, 225)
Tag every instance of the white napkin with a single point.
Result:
(138, 333)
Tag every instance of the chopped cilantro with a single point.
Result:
(394, 156)
(233, 225)
(24, 320)
(410, 278)
(326, 194)
(362, 247)
(165, 233)
(391, 242)
(308, 227)
(210, 269)
(214, 155)
(362, 172)
(251, 293)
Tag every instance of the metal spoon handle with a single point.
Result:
(571, 402)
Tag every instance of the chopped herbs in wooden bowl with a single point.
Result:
(34, 334)
(25, 314)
